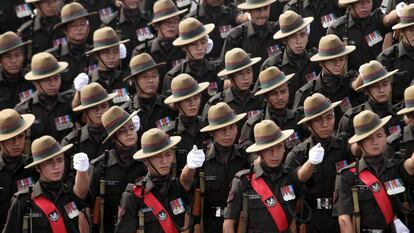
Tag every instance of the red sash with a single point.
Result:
(158, 210)
(52, 214)
(380, 196)
(274, 207)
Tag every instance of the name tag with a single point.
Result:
(144, 34)
(212, 88)
(60, 42)
(25, 94)
(273, 50)
(288, 193)
(63, 122)
(311, 76)
(327, 20)
(182, 3)
(177, 206)
(165, 123)
(373, 38)
(252, 113)
(224, 30)
(394, 186)
(23, 10)
(71, 210)
(345, 104)
(122, 95)
(24, 183)
(292, 141)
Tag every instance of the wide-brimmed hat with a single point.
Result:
(316, 105)
(346, 2)
(9, 41)
(114, 119)
(33, 1)
(408, 101)
(236, 60)
(92, 95)
(190, 30)
(104, 38)
(266, 135)
(141, 63)
(221, 115)
(155, 141)
(45, 65)
(406, 17)
(290, 22)
(254, 4)
(71, 12)
(45, 148)
(183, 87)
(373, 72)
(365, 124)
(165, 9)
(13, 124)
(270, 79)
(330, 47)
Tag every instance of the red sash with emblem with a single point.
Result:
(270, 201)
(379, 193)
(158, 210)
(52, 214)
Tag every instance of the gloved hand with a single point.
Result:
(122, 51)
(399, 8)
(81, 81)
(81, 162)
(400, 227)
(316, 154)
(137, 122)
(195, 158)
(308, 29)
(210, 45)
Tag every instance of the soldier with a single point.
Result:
(268, 191)
(316, 166)
(52, 108)
(294, 57)
(13, 158)
(371, 188)
(116, 167)
(13, 87)
(274, 89)
(161, 202)
(51, 205)
(363, 28)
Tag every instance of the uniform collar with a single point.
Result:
(95, 76)
(258, 171)
(181, 128)
(251, 31)
(37, 24)
(401, 49)
(212, 153)
(333, 142)
(229, 96)
(38, 190)
(84, 133)
(290, 114)
(286, 58)
(362, 164)
(157, 101)
(112, 158)
(202, 10)
(390, 108)
(407, 136)
(36, 99)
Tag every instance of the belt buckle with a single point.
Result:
(373, 230)
(219, 212)
(323, 203)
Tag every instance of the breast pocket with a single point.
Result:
(40, 221)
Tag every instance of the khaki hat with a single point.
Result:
(406, 18)
(183, 87)
(221, 115)
(92, 95)
(266, 135)
(330, 47)
(13, 124)
(33, 1)
(45, 148)
(190, 30)
(316, 105)
(270, 79)
(254, 4)
(141, 63)
(45, 65)
(236, 60)
(346, 2)
(408, 101)
(104, 38)
(9, 41)
(114, 119)
(373, 72)
(290, 22)
(165, 9)
(71, 12)
(155, 141)
(365, 124)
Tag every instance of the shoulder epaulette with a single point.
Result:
(25, 26)
(242, 173)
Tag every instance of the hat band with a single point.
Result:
(272, 81)
(262, 140)
(73, 15)
(11, 44)
(322, 106)
(362, 129)
(105, 42)
(46, 152)
(374, 76)
(236, 65)
(94, 98)
(405, 19)
(14, 127)
(179, 92)
(409, 103)
(45, 70)
(142, 66)
(165, 12)
(325, 52)
(290, 27)
(255, 1)
(221, 119)
(152, 147)
(116, 122)
(192, 33)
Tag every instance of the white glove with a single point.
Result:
(81, 162)
(81, 81)
(308, 29)
(249, 16)
(122, 51)
(316, 154)
(210, 45)
(400, 227)
(195, 158)
(137, 122)
(399, 8)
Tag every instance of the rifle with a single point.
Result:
(346, 42)
(141, 222)
(27, 217)
(356, 218)
(198, 204)
(244, 215)
(98, 212)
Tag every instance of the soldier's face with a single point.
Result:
(243, 79)
(77, 31)
(12, 61)
(168, 29)
(110, 57)
(52, 170)
(148, 82)
(279, 97)
(323, 126)
(380, 92)
(48, 7)
(225, 136)
(197, 50)
(375, 143)
(214, 2)
(127, 135)
(49, 86)
(273, 156)
(260, 15)
(190, 106)
(334, 66)
(409, 119)
(94, 115)
(361, 9)
(161, 163)
(13, 147)
(298, 41)
(131, 4)
(409, 35)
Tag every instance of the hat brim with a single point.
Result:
(201, 87)
(225, 72)
(344, 3)
(83, 107)
(156, 66)
(139, 155)
(248, 6)
(31, 77)
(236, 119)
(405, 111)
(402, 25)
(94, 50)
(28, 121)
(279, 34)
(266, 90)
(168, 16)
(120, 125)
(255, 148)
(357, 138)
(62, 150)
(16, 46)
(348, 49)
(71, 20)
(180, 42)
(306, 119)
(389, 74)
